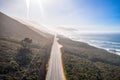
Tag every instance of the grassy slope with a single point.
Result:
(36, 69)
(11, 33)
(84, 62)
(11, 28)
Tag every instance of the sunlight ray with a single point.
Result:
(28, 8)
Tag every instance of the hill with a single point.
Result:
(16, 29)
(24, 50)
(84, 62)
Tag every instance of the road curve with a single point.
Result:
(55, 69)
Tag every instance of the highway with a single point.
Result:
(55, 68)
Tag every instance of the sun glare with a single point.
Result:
(41, 4)
(28, 8)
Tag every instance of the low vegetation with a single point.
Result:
(24, 50)
(22, 60)
(84, 62)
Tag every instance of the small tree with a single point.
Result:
(23, 57)
(26, 42)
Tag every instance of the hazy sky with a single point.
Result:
(85, 15)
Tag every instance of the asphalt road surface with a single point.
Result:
(55, 68)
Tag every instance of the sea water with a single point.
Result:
(108, 41)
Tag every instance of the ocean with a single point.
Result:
(107, 41)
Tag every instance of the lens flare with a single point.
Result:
(28, 8)
(40, 2)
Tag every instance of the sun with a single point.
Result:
(42, 4)
(41, 7)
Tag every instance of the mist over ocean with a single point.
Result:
(108, 41)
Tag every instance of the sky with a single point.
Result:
(82, 15)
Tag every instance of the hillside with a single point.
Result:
(84, 62)
(14, 29)
(24, 50)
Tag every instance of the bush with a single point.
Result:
(23, 57)
(5, 77)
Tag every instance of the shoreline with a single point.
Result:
(110, 50)
(88, 60)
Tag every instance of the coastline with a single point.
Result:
(88, 60)
(110, 50)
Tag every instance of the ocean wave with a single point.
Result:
(112, 47)
(106, 42)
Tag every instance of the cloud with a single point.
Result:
(67, 28)
(58, 8)
(77, 14)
